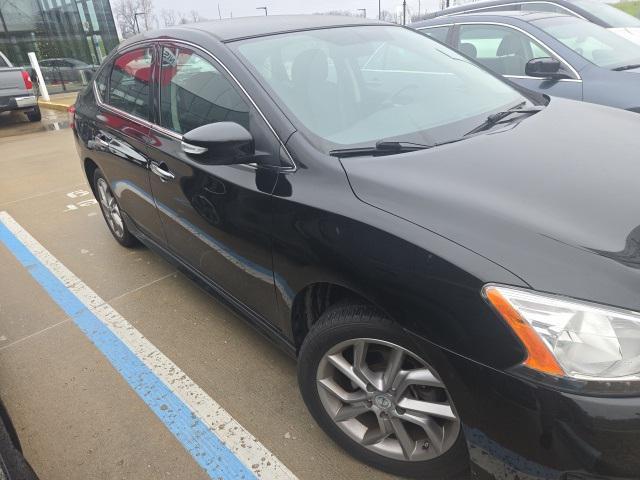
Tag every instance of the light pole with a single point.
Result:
(135, 17)
(404, 12)
(263, 8)
(364, 12)
(379, 11)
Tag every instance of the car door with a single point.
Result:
(506, 50)
(120, 135)
(216, 218)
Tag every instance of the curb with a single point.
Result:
(53, 105)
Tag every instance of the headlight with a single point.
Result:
(569, 337)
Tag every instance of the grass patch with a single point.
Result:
(632, 7)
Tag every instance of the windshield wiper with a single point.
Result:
(382, 147)
(387, 147)
(626, 67)
(495, 118)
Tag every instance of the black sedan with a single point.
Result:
(453, 262)
(550, 53)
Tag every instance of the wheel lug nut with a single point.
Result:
(400, 410)
(370, 388)
(426, 445)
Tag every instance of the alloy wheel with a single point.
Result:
(110, 208)
(387, 399)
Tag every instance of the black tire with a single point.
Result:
(35, 115)
(350, 321)
(124, 237)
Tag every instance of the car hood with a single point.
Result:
(550, 199)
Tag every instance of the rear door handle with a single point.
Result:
(162, 171)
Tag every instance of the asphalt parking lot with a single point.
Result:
(76, 416)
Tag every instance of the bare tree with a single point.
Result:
(134, 16)
(169, 18)
(387, 16)
(182, 18)
(195, 16)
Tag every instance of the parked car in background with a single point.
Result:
(17, 91)
(593, 11)
(453, 262)
(550, 53)
(67, 70)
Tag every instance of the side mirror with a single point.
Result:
(220, 143)
(545, 68)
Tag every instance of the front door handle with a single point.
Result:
(162, 171)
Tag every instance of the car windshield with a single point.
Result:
(612, 16)
(592, 42)
(352, 86)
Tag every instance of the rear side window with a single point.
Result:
(439, 33)
(129, 87)
(194, 93)
(101, 82)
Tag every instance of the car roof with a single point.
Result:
(491, 3)
(524, 16)
(230, 29)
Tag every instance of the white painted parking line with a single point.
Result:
(214, 438)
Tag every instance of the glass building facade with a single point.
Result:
(70, 37)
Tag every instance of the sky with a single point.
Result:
(209, 8)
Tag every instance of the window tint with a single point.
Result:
(130, 80)
(545, 7)
(439, 33)
(502, 49)
(194, 93)
(101, 82)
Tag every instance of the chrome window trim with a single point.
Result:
(177, 136)
(478, 9)
(537, 40)
(436, 26)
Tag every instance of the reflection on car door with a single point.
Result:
(120, 138)
(216, 218)
(506, 51)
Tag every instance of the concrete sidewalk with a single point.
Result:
(75, 414)
(59, 101)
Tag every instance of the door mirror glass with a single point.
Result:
(544, 68)
(219, 143)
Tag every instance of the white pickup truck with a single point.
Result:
(17, 91)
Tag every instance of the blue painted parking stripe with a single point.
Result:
(182, 421)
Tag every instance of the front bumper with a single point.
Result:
(24, 102)
(518, 429)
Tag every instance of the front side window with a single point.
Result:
(592, 42)
(351, 86)
(439, 33)
(129, 87)
(502, 49)
(194, 93)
